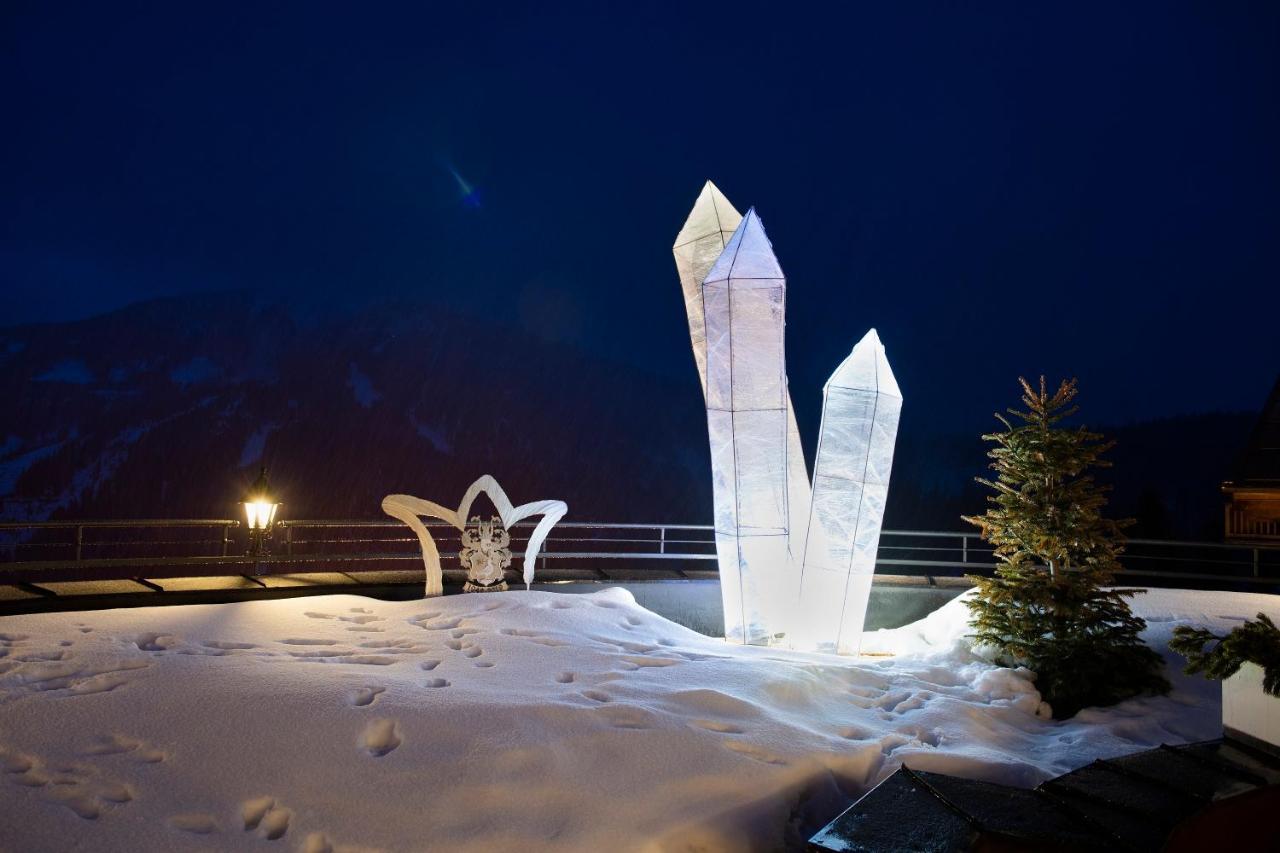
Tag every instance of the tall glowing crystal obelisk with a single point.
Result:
(708, 228)
(860, 411)
(744, 303)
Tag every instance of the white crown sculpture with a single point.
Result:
(409, 509)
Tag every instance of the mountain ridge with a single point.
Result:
(167, 408)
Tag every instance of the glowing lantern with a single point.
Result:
(260, 513)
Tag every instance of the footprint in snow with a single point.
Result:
(437, 682)
(268, 817)
(52, 654)
(307, 641)
(366, 696)
(227, 645)
(154, 642)
(894, 700)
(750, 750)
(446, 625)
(318, 842)
(639, 662)
(565, 678)
(597, 696)
(380, 737)
(853, 733)
(360, 620)
(87, 798)
(197, 824)
(118, 744)
(429, 665)
(368, 660)
(626, 716)
(390, 645)
(472, 651)
(81, 788)
(718, 726)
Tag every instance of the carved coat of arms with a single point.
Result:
(485, 553)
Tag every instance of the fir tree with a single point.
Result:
(1048, 607)
(1255, 641)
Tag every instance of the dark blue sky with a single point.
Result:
(1000, 188)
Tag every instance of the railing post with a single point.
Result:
(662, 540)
(964, 548)
(1255, 562)
(288, 539)
(79, 541)
(226, 539)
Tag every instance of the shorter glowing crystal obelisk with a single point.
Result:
(744, 304)
(860, 410)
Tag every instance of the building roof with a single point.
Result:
(1138, 802)
(1259, 464)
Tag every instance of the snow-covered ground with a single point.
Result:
(510, 721)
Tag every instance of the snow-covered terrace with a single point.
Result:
(520, 720)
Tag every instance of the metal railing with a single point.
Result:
(139, 549)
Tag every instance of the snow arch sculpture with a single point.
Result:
(410, 510)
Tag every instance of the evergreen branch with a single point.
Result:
(1256, 641)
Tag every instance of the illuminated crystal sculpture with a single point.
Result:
(408, 509)
(744, 299)
(711, 223)
(771, 525)
(860, 410)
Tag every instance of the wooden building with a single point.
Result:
(1253, 492)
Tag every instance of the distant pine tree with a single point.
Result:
(1047, 607)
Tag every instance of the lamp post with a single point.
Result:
(260, 512)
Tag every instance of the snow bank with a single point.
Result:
(522, 720)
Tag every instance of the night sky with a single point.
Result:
(1002, 189)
